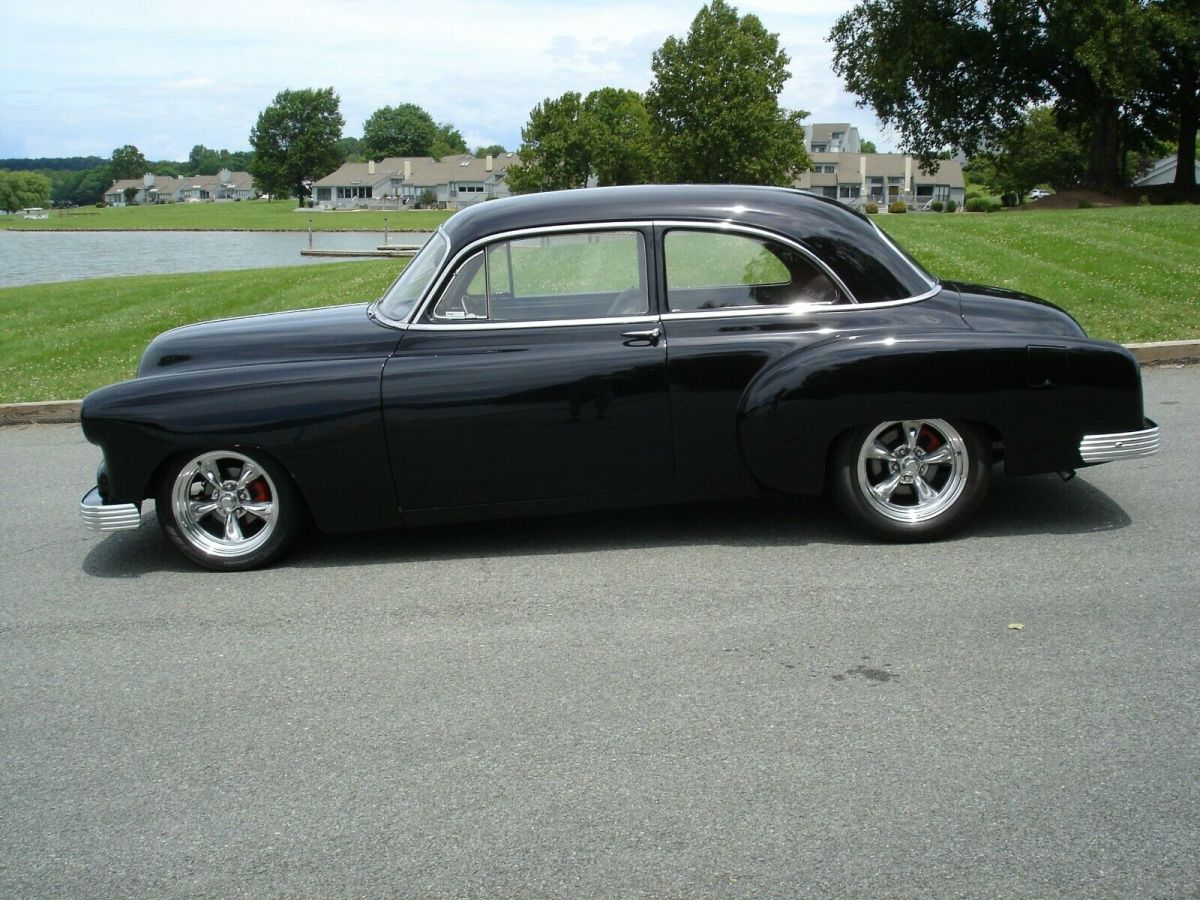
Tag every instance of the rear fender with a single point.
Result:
(1039, 394)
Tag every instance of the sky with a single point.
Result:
(82, 78)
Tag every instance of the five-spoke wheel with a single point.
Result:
(915, 479)
(226, 510)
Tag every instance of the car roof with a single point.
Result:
(848, 242)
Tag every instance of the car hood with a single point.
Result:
(996, 309)
(326, 333)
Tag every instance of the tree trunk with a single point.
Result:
(1185, 162)
(301, 195)
(1103, 156)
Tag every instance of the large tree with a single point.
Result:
(714, 103)
(619, 137)
(404, 130)
(961, 73)
(554, 147)
(447, 141)
(295, 141)
(19, 190)
(127, 162)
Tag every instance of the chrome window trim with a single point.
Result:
(468, 325)
(449, 268)
(765, 234)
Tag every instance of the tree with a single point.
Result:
(1173, 96)
(867, 147)
(619, 137)
(128, 162)
(489, 150)
(447, 140)
(714, 103)
(554, 147)
(351, 150)
(961, 73)
(404, 130)
(19, 190)
(295, 141)
(1036, 152)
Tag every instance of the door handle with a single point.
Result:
(650, 337)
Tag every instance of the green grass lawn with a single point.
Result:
(1129, 274)
(249, 215)
(60, 341)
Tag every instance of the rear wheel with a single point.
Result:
(911, 480)
(226, 510)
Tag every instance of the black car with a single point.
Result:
(612, 347)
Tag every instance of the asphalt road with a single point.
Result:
(724, 700)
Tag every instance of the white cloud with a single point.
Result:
(78, 78)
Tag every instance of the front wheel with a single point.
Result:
(226, 510)
(911, 480)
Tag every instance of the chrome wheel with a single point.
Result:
(225, 505)
(912, 471)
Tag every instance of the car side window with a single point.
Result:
(580, 275)
(721, 270)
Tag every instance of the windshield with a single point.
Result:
(398, 302)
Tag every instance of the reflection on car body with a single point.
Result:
(606, 348)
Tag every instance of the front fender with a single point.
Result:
(320, 419)
(1040, 394)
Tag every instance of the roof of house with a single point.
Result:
(425, 170)
(823, 131)
(169, 184)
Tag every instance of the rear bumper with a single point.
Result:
(100, 516)
(1098, 448)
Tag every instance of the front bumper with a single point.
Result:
(1098, 448)
(100, 516)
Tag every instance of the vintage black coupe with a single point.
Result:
(612, 347)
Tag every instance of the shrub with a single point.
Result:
(897, 206)
(1084, 204)
(951, 206)
(871, 207)
(1008, 199)
(975, 204)
(1144, 200)
(993, 206)
(972, 195)
(936, 206)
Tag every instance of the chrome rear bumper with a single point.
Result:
(99, 516)
(1097, 448)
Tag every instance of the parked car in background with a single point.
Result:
(612, 347)
(1038, 194)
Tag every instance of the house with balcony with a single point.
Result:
(855, 178)
(454, 181)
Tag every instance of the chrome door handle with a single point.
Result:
(650, 337)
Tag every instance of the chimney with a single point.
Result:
(371, 167)
(908, 174)
(487, 163)
(407, 169)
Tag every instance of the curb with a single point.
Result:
(58, 412)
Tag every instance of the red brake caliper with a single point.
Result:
(259, 492)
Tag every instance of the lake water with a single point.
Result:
(34, 257)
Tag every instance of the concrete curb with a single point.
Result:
(50, 412)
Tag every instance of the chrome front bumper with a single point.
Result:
(1098, 448)
(99, 516)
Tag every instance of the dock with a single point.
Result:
(385, 251)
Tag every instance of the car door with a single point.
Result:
(536, 372)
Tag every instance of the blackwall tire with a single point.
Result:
(228, 510)
(911, 480)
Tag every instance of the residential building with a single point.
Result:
(455, 182)
(853, 177)
(150, 188)
(833, 137)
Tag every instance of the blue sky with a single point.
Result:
(79, 79)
